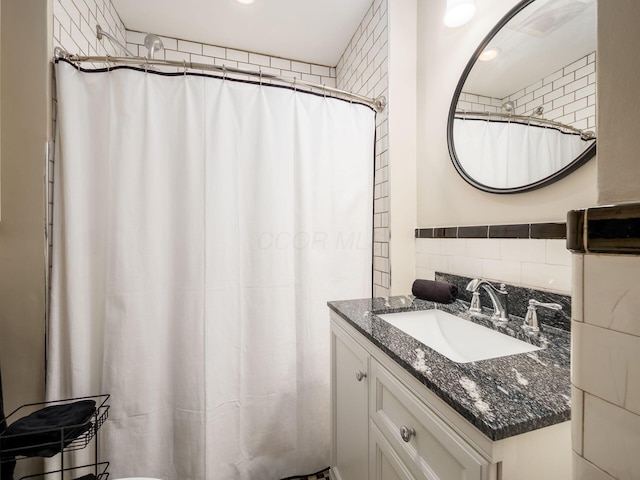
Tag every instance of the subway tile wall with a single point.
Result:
(535, 263)
(606, 366)
(363, 69)
(74, 30)
(183, 50)
(567, 96)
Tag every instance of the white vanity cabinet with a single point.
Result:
(349, 407)
(388, 426)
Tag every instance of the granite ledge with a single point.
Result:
(501, 397)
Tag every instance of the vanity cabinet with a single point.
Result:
(388, 426)
(349, 407)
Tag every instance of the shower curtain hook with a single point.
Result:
(295, 86)
(260, 71)
(107, 63)
(324, 91)
(224, 72)
(146, 64)
(184, 64)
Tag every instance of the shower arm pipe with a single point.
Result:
(585, 134)
(101, 33)
(378, 103)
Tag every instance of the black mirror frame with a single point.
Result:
(571, 167)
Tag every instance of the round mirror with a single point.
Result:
(524, 111)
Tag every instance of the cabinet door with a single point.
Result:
(349, 409)
(384, 463)
(428, 447)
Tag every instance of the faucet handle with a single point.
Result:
(530, 324)
(551, 306)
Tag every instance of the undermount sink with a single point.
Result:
(457, 339)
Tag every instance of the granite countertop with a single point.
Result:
(502, 397)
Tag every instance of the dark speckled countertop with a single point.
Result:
(501, 397)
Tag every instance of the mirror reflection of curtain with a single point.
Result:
(201, 225)
(507, 155)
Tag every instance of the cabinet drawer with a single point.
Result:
(431, 449)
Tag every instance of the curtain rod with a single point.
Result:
(378, 104)
(584, 134)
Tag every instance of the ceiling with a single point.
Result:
(528, 54)
(313, 31)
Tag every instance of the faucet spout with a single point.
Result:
(498, 297)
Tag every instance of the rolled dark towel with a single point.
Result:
(441, 292)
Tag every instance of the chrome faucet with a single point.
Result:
(531, 318)
(498, 298)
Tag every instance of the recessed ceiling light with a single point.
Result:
(459, 12)
(246, 2)
(489, 54)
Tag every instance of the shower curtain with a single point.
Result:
(508, 154)
(200, 227)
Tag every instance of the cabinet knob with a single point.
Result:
(360, 375)
(406, 433)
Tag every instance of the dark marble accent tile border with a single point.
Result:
(473, 232)
(548, 231)
(509, 231)
(518, 301)
(611, 229)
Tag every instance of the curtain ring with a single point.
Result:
(260, 71)
(146, 64)
(324, 91)
(224, 72)
(295, 86)
(184, 64)
(106, 60)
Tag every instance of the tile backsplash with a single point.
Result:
(543, 264)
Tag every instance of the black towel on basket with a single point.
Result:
(440, 292)
(47, 431)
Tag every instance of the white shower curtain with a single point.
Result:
(200, 227)
(508, 154)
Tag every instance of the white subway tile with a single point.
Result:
(557, 253)
(575, 65)
(611, 437)
(556, 278)
(502, 271)
(607, 365)
(213, 51)
(440, 263)
(612, 292)
(189, 47)
(262, 60)
(177, 56)
(423, 260)
(466, 266)
(564, 100)
(454, 246)
(554, 94)
(523, 250)
(425, 273)
(584, 71)
(429, 245)
(576, 105)
(586, 112)
(586, 91)
(488, 248)
(552, 78)
(585, 470)
(280, 63)
(237, 55)
(577, 417)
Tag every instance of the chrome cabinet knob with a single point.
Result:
(406, 433)
(360, 375)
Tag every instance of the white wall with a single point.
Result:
(444, 198)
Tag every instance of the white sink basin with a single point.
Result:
(457, 339)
